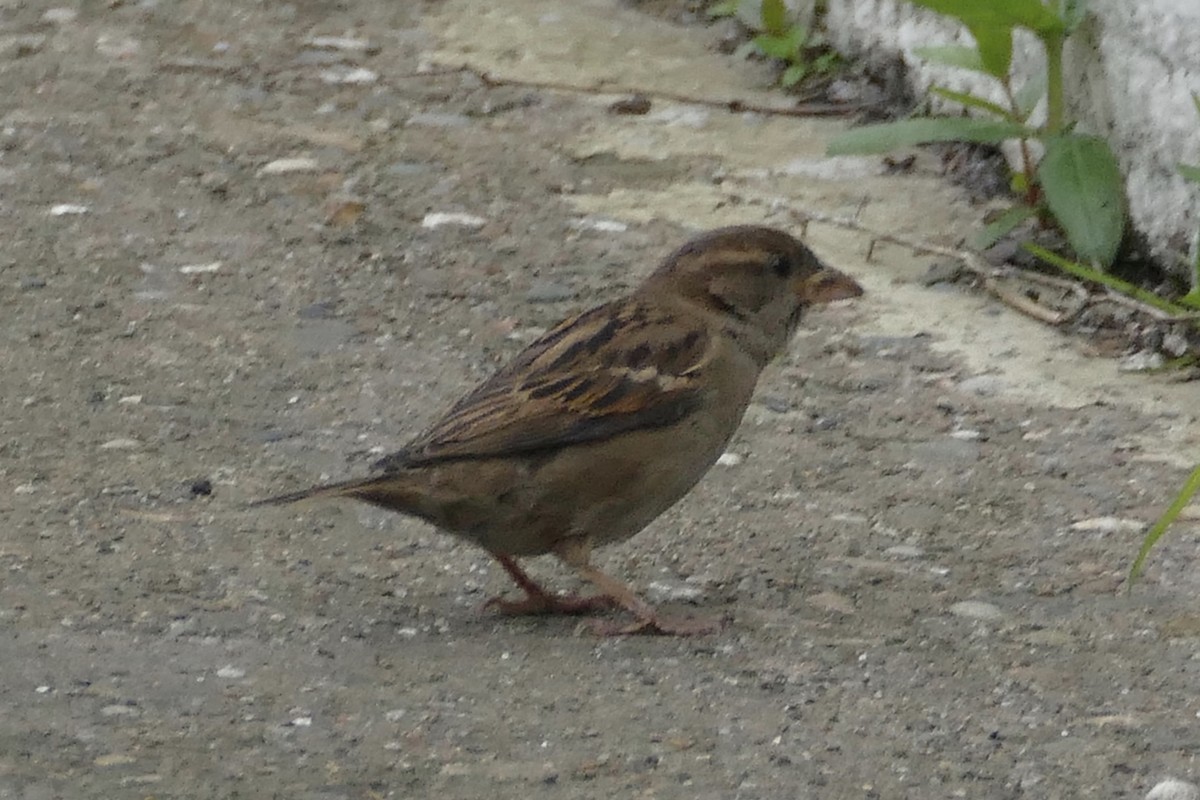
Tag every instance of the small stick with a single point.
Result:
(733, 105)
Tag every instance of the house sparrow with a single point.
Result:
(607, 419)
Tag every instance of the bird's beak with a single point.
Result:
(824, 286)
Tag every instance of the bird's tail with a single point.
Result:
(396, 490)
(342, 488)
(352, 488)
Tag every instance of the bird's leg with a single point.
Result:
(539, 601)
(576, 553)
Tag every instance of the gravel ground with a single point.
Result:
(221, 279)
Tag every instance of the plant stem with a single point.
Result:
(1027, 165)
(1112, 282)
(1195, 287)
(1055, 116)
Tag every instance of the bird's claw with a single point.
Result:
(546, 604)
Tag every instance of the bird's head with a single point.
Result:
(758, 280)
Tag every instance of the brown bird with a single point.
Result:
(608, 419)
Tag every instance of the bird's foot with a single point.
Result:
(545, 603)
(654, 625)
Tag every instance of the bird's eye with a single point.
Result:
(779, 265)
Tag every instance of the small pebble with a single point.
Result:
(346, 43)
(32, 282)
(1053, 466)
(599, 224)
(1141, 361)
(341, 75)
(683, 116)
(780, 405)
(833, 602)
(59, 16)
(841, 91)
(1109, 525)
(434, 119)
(215, 182)
(118, 710)
(730, 459)
(121, 444)
(200, 269)
(438, 219)
(230, 671)
(1174, 789)
(673, 592)
(201, 487)
(635, 104)
(63, 209)
(976, 609)
(22, 45)
(282, 166)
(1175, 343)
(113, 760)
(904, 551)
(117, 47)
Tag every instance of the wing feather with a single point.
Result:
(579, 382)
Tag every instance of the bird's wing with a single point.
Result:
(614, 369)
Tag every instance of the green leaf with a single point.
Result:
(991, 23)
(797, 35)
(890, 135)
(1029, 94)
(787, 47)
(952, 55)
(774, 17)
(995, 48)
(774, 46)
(1190, 487)
(793, 75)
(1001, 226)
(970, 100)
(825, 62)
(1082, 185)
(728, 8)
(1031, 14)
(1190, 172)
